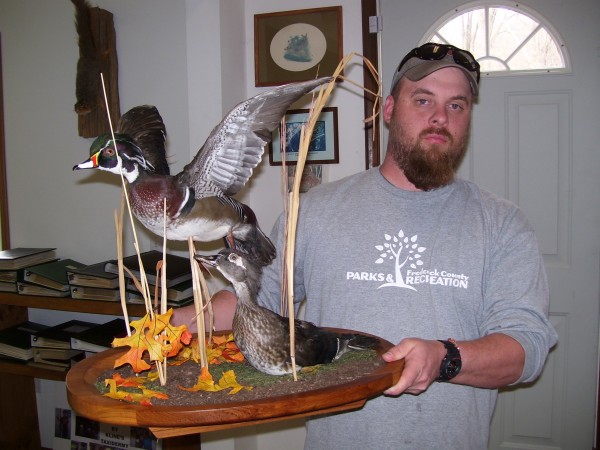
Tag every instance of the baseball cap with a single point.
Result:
(430, 57)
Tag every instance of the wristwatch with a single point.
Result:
(451, 363)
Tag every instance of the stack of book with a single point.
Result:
(14, 261)
(8, 280)
(177, 267)
(15, 341)
(100, 281)
(61, 346)
(49, 279)
(51, 347)
(94, 283)
(40, 345)
(99, 337)
(178, 276)
(180, 294)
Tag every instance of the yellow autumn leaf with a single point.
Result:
(206, 383)
(153, 375)
(229, 380)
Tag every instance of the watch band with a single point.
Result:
(452, 363)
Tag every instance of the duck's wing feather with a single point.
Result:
(145, 126)
(235, 146)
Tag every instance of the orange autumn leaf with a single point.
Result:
(222, 349)
(213, 355)
(144, 397)
(219, 339)
(189, 352)
(173, 339)
(231, 352)
(181, 358)
(156, 337)
(134, 357)
(128, 382)
(140, 342)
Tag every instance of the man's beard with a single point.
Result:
(430, 168)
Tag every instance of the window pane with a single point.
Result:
(541, 52)
(467, 31)
(508, 29)
(503, 39)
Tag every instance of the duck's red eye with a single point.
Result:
(109, 151)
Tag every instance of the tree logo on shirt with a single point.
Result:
(403, 251)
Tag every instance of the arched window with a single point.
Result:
(504, 37)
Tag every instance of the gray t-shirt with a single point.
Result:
(456, 262)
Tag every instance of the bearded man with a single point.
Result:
(411, 253)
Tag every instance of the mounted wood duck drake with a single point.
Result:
(263, 336)
(199, 201)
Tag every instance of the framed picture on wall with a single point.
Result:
(297, 45)
(323, 148)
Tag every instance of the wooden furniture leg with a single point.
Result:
(19, 427)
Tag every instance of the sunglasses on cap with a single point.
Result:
(436, 52)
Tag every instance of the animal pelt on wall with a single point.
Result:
(87, 83)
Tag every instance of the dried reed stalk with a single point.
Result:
(119, 229)
(143, 283)
(124, 186)
(283, 305)
(292, 215)
(318, 103)
(200, 290)
(163, 272)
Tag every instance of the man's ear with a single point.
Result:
(388, 109)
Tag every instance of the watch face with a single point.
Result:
(451, 364)
(453, 367)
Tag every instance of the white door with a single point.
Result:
(536, 141)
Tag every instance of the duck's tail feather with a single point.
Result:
(349, 341)
(265, 250)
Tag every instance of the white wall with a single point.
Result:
(49, 204)
(194, 60)
(349, 102)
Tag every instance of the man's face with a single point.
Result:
(429, 126)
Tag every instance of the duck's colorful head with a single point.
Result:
(125, 156)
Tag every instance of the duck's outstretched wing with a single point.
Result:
(147, 129)
(235, 146)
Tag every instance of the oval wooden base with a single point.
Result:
(168, 421)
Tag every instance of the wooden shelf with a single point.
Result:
(59, 304)
(19, 425)
(70, 304)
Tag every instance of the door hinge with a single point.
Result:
(375, 24)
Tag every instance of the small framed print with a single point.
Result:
(300, 45)
(323, 148)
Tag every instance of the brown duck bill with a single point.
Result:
(207, 260)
